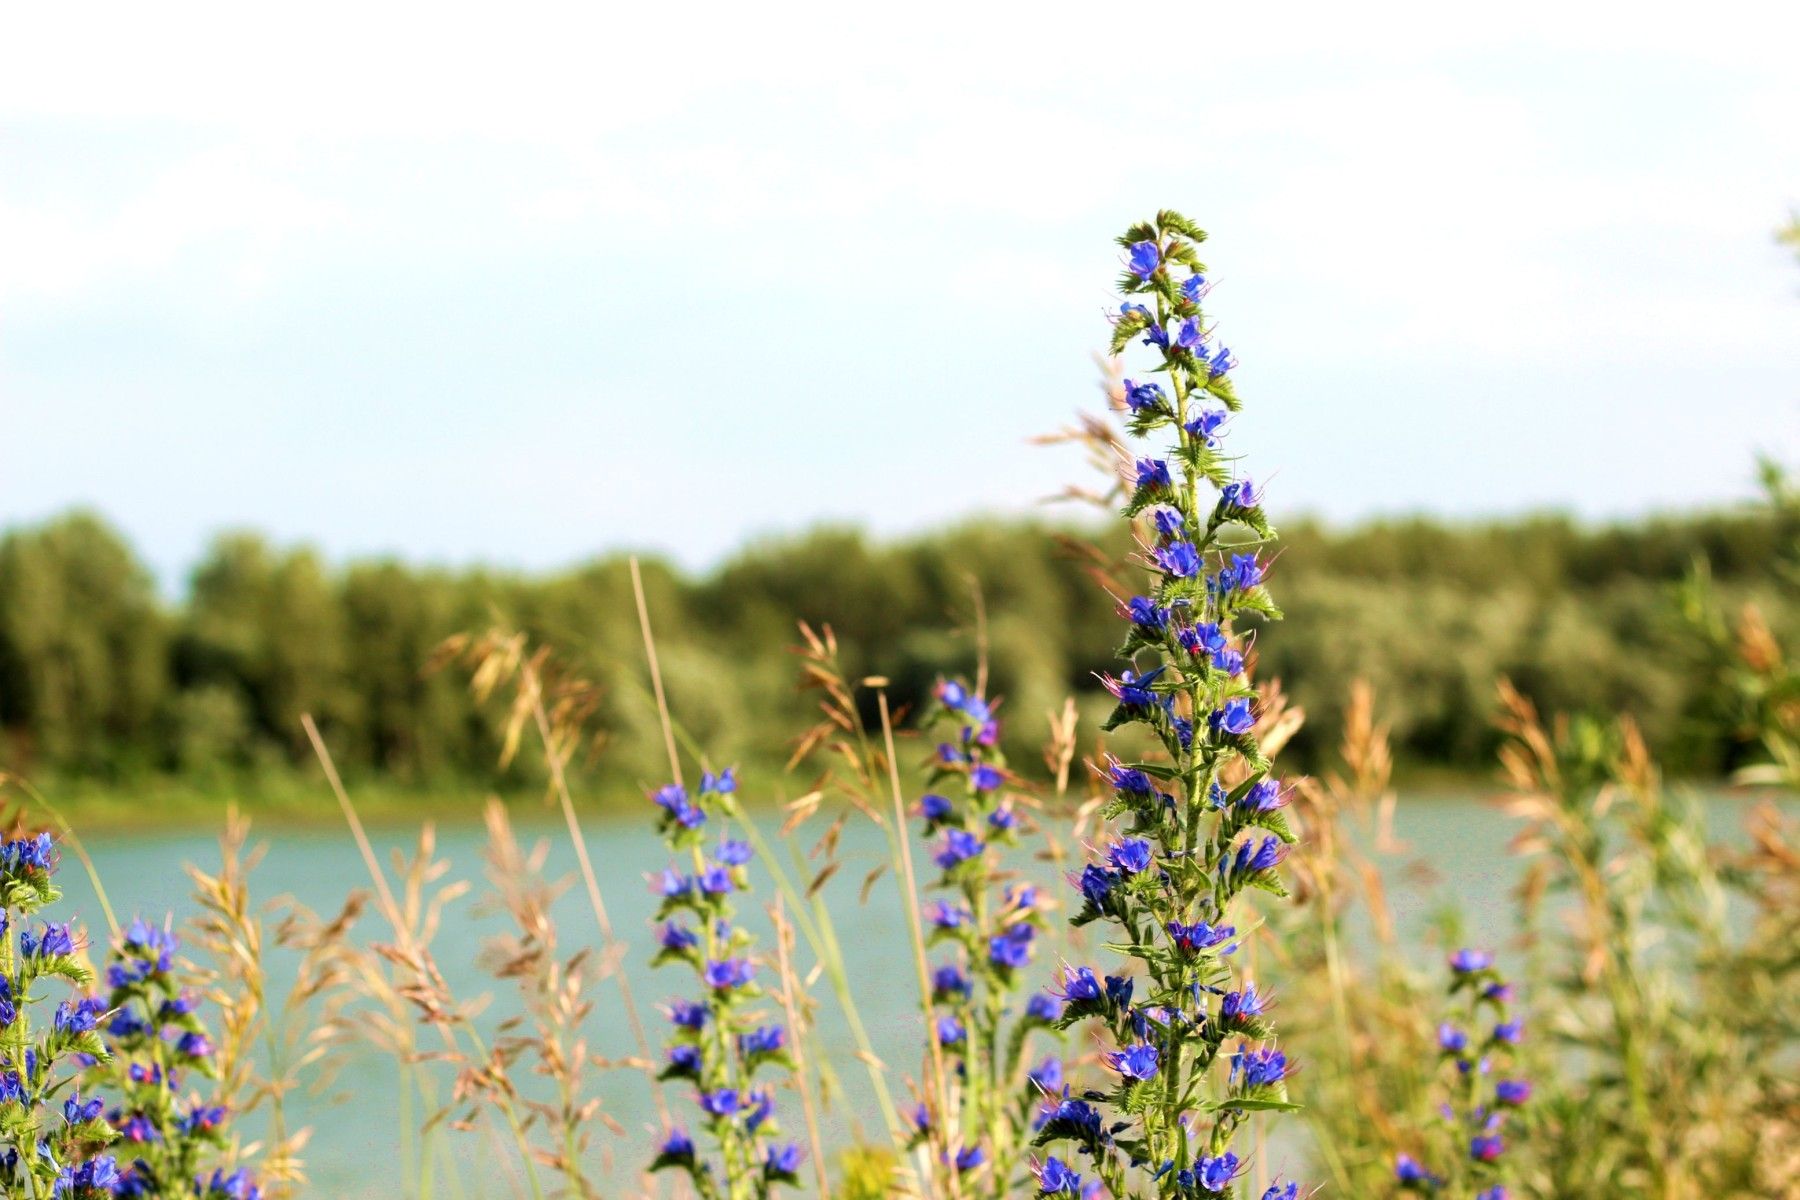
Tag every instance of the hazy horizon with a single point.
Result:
(173, 583)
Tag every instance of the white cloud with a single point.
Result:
(237, 208)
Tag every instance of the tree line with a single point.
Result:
(100, 678)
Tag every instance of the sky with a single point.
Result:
(521, 284)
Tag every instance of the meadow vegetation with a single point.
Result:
(1202, 827)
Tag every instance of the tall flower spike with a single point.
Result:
(719, 1042)
(52, 1129)
(1202, 818)
(169, 1137)
(1464, 1145)
(988, 935)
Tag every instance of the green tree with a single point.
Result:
(268, 627)
(82, 647)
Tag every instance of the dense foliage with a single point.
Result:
(100, 678)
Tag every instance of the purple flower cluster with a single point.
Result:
(52, 1129)
(1201, 818)
(168, 1136)
(717, 1043)
(1474, 1046)
(988, 935)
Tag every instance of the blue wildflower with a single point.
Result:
(950, 980)
(1466, 961)
(678, 809)
(79, 1017)
(723, 974)
(959, 846)
(1234, 718)
(235, 1185)
(1254, 857)
(1146, 613)
(1133, 690)
(1203, 638)
(1056, 1179)
(193, 1045)
(1080, 986)
(1242, 1005)
(1205, 426)
(1153, 475)
(1131, 781)
(1243, 573)
(1216, 1173)
(1131, 855)
(1259, 1068)
(1075, 1119)
(1143, 258)
(77, 1111)
(1199, 936)
(54, 941)
(1190, 336)
(688, 1014)
(684, 1062)
(1011, 950)
(1407, 1169)
(721, 1103)
(768, 1039)
(1265, 795)
(1140, 396)
(1136, 1062)
(1240, 496)
(1179, 559)
(945, 915)
(98, 1176)
(783, 1162)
